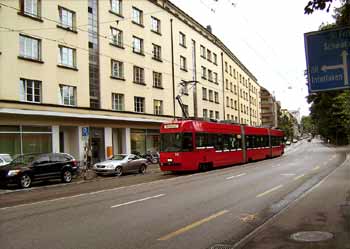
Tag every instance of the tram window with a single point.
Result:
(218, 142)
(201, 139)
(187, 142)
(238, 142)
(211, 140)
(227, 141)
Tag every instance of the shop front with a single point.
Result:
(145, 140)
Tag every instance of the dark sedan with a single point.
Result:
(36, 167)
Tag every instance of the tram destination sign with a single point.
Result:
(328, 59)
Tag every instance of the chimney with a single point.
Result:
(209, 28)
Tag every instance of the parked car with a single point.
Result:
(121, 163)
(288, 142)
(5, 159)
(295, 140)
(25, 169)
(152, 157)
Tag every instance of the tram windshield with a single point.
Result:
(176, 142)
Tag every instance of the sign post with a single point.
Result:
(328, 59)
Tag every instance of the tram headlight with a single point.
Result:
(170, 160)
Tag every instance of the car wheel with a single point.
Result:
(154, 160)
(66, 176)
(118, 171)
(25, 181)
(142, 169)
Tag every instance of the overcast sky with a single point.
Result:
(267, 37)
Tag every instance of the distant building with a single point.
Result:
(296, 115)
(270, 108)
(290, 115)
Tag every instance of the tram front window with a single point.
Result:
(176, 142)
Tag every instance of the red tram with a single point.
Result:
(191, 145)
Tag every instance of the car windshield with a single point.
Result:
(6, 158)
(118, 157)
(24, 159)
(176, 142)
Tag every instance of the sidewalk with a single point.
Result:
(325, 208)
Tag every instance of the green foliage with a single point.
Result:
(308, 125)
(286, 125)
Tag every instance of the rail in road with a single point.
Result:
(196, 211)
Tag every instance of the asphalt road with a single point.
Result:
(191, 211)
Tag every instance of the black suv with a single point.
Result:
(25, 169)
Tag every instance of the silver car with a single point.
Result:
(121, 163)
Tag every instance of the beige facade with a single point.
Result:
(143, 52)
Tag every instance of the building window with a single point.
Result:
(67, 18)
(29, 47)
(68, 95)
(139, 104)
(215, 59)
(227, 101)
(228, 116)
(182, 40)
(155, 25)
(157, 52)
(211, 96)
(204, 93)
(226, 84)
(235, 89)
(210, 75)
(204, 73)
(67, 56)
(137, 16)
(230, 70)
(226, 68)
(118, 101)
(137, 45)
(183, 64)
(139, 75)
(217, 115)
(117, 37)
(205, 113)
(231, 102)
(30, 90)
(202, 51)
(216, 97)
(117, 69)
(157, 80)
(31, 7)
(231, 87)
(208, 55)
(215, 77)
(116, 6)
(235, 104)
(211, 114)
(158, 107)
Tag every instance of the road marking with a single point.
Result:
(193, 225)
(228, 178)
(298, 177)
(132, 202)
(288, 174)
(269, 191)
(316, 168)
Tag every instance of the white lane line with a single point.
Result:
(288, 174)
(231, 177)
(316, 168)
(140, 200)
(298, 177)
(269, 191)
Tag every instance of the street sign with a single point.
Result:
(328, 59)
(85, 131)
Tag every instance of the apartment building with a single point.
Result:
(104, 75)
(270, 109)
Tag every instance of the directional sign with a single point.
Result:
(328, 59)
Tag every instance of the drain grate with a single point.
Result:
(221, 246)
(311, 236)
